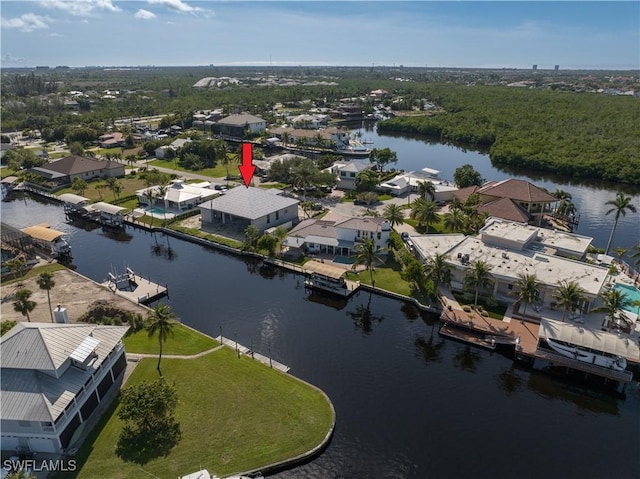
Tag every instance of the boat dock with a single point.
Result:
(135, 288)
(252, 354)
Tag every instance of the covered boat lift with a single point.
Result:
(48, 238)
(107, 214)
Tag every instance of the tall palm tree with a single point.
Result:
(620, 205)
(569, 294)
(393, 214)
(438, 270)
(23, 304)
(161, 192)
(614, 303)
(620, 252)
(454, 220)
(424, 212)
(46, 282)
(427, 189)
(368, 254)
(161, 321)
(528, 290)
(478, 276)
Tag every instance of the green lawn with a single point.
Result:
(386, 277)
(435, 228)
(4, 172)
(184, 341)
(234, 414)
(34, 272)
(208, 236)
(129, 187)
(494, 310)
(218, 171)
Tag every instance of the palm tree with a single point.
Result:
(620, 252)
(528, 290)
(23, 304)
(161, 191)
(438, 270)
(46, 282)
(161, 322)
(424, 212)
(454, 220)
(569, 294)
(620, 205)
(614, 303)
(478, 276)
(368, 254)
(393, 214)
(635, 255)
(427, 189)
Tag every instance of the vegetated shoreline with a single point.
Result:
(568, 134)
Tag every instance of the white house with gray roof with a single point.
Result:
(236, 125)
(243, 206)
(54, 376)
(347, 171)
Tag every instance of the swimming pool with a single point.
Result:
(155, 210)
(631, 293)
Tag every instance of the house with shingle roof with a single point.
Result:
(54, 376)
(65, 170)
(241, 207)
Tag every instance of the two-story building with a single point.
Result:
(347, 172)
(237, 125)
(54, 376)
(338, 235)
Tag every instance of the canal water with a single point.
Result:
(409, 404)
(589, 196)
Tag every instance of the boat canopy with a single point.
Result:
(73, 199)
(323, 269)
(107, 208)
(43, 233)
(596, 340)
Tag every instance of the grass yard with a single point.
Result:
(218, 171)
(494, 310)
(184, 341)
(52, 267)
(129, 187)
(208, 236)
(386, 277)
(4, 172)
(234, 414)
(433, 229)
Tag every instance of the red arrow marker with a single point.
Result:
(246, 168)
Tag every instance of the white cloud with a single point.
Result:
(54, 34)
(180, 6)
(81, 8)
(143, 14)
(26, 23)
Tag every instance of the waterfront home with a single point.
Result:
(161, 151)
(263, 166)
(347, 171)
(65, 170)
(330, 137)
(240, 207)
(409, 182)
(54, 376)
(337, 234)
(178, 195)
(512, 250)
(237, 125)
(309, 121)
(511, 199)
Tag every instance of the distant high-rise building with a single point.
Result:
(535, 67)
(556, 68)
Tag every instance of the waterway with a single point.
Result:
(415, 153)
(409, 404)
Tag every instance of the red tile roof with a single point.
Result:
(518, 190)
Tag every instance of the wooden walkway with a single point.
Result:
(252, 354)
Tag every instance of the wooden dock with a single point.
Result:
(466, 335)
(252, 354)
(135, 287)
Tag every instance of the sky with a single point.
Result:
(480, 34)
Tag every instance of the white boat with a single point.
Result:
(333, 285)
(617, 363)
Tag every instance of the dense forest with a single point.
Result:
(576, 134)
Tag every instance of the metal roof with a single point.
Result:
(43, 233)
(250, 203)
(31, 395)
(323, 269)
(73, 199)
(594, 339)
(107, 208)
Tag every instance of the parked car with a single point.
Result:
(404, 235)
